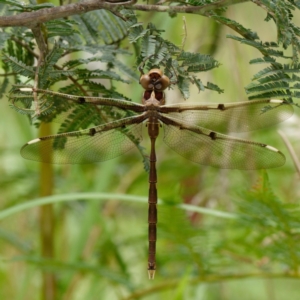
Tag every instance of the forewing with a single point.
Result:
(207, 147)
(234, 117)
(76, 112)
(86, 146)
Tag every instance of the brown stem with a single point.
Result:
(47, 222)
(40, 40)
(30, 19)
(291, 150)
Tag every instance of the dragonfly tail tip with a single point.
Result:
(151, 274)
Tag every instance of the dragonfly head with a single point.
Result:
(155, 80)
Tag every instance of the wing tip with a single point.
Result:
(33, 141)
(277, 101)
(272, 148)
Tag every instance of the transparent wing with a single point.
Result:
(96, 144)
(206, 147)
(64, 108)
(232, 117)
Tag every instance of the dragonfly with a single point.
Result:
(196, 131)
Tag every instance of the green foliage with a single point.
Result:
(101, 26)
(275, 81)
(19, 67)
(264, 48)
(274, 226)
(22, 7)
(247, 33)
(288, 35)
(178, 63)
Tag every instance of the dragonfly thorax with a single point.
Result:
(153, 98)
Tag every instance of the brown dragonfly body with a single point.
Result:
(154, 83)
(192, 130)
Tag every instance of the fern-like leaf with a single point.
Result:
(148, 45)
(266, 48)
(214, 87)
(18, 66)
(270, 219)
(21, 7)
(247, 33)
(4, 36)
(183, 86)
(262, 60)
(287, 69)
(61, 28)
(100, 25)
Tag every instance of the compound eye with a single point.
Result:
(163, 83)
(158, 86)
(145, 82)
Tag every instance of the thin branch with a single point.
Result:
(184, 34)
(30, 19)
(39, 37)
(35, 85)
(199, 10)
(291, 150)
(171, 284)
(264, 7)
(8, 74)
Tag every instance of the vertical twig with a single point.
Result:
(291, 150)
(47, 221)
(184, 34)
(40, 40)
(37, 111)
(42, 45)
